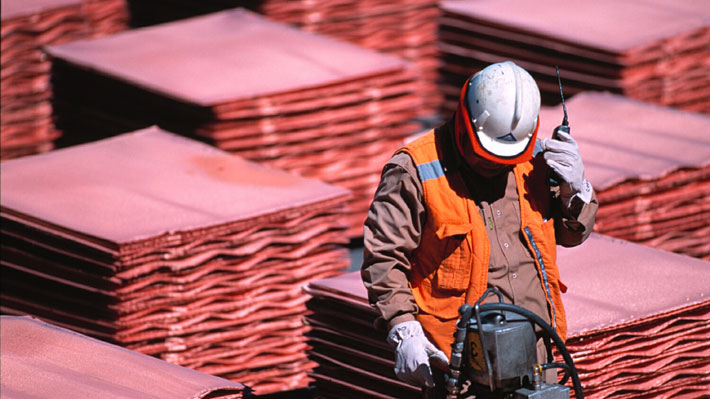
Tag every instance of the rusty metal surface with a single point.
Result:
(138, 193)
(42, 360)
(299, 60)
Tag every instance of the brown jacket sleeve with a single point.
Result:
(391, 232)
(574, 225)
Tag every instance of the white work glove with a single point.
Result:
(412, 353)
(563, 157)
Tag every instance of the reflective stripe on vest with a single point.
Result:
(430, 170)
(538, 255)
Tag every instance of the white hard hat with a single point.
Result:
(502, 103)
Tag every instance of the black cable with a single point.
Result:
(558, 365)
(550, 332)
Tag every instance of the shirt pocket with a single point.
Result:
(454, 271)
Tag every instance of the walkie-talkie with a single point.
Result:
(564, 127)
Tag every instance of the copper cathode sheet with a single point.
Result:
(41, 360)
(12, 9)
(203, 289)
(147, 197)
(221, 39)
(342, 96)
(625, 274)
(378, 87)
(634, 140)
(661, 65)
(581, 19)
(634, 189)
(26, 27)
(620, 331)
(404, 28)
(270, 327)
(650, 167)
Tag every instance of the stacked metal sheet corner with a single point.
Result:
(639, 320)
(650, 50)
(294, 100)
(26, 125)
(402, 28)
(41, 360)
(638, 327)
(172, 248)
(354, 360)
(650, 166)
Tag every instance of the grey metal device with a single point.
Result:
(541, 389)
(501, 350)
(495, 347)
(544, 391)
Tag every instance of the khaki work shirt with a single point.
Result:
(398, 213)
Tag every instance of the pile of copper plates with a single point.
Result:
(354, 358)
(650, 166)
(645, 49)
(172, 248)
(271, 93)
(402, 28)
(26, 125)
(40, 360)
(106, 16)
(631, 334)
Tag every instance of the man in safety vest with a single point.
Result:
(468, 206)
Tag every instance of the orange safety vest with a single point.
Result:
(450, 267)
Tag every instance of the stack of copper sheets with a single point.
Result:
(40, 360)
(354, 358)
(650, 166)
(402, 28)
(271, 93)
(106, 16)
(631, 334)
(645, 49)
(26, 113)
(172, 248)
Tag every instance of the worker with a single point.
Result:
(468, 206)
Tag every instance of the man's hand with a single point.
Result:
(412, 353)
(563, 157)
